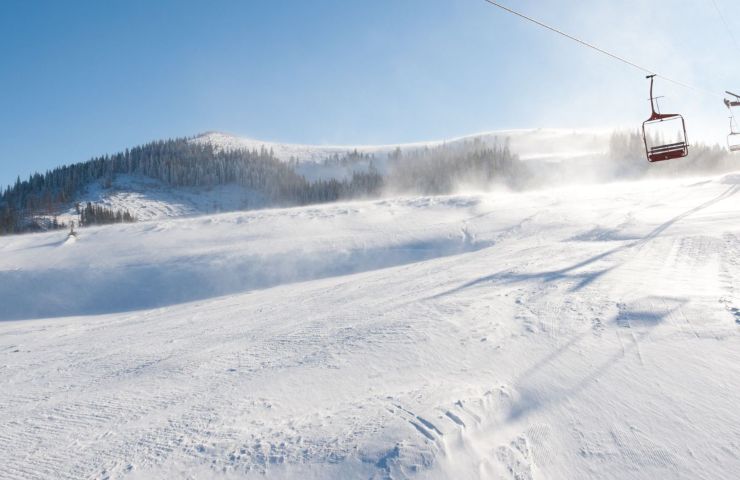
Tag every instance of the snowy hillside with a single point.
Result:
(567, 334)
(148, 198)
(549, 144)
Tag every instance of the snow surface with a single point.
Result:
(566, 334)
(147, 198)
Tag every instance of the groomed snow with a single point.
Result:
(566, 334)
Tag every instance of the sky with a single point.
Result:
(85, 78)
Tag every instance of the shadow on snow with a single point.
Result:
(543, 383)
(583, 279)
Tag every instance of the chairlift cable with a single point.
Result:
(600, 50)
(727, 25)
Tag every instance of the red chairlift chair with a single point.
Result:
(656, 149)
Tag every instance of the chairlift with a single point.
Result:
(733, 139)
(664, 134)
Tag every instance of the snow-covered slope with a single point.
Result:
(549, 144)
(148, 198)
(567, 334)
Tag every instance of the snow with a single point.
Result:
(574, 333)
(147, 198)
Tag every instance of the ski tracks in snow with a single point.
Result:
(471, 438)
(582, 343)
(730, 275)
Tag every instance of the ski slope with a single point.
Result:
(573, 333)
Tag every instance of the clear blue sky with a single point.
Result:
(83, 78)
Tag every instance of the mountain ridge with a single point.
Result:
(530, 143)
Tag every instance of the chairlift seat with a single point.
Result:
(668, 152)
(733, 139)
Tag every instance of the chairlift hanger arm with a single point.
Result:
(656, 115)
(732, 103)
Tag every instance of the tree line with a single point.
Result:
(449, 167)
(99, 215)
(627, 152)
